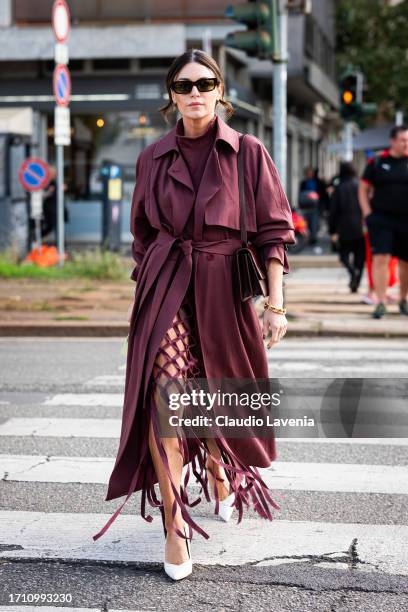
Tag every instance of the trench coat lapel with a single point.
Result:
(211, 180)
(210, 184)
(178, 171)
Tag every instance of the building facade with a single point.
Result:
(119, 55)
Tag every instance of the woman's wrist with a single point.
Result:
(275, 300)
(273, 307)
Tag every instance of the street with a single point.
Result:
(338, 541)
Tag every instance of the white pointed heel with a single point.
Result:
(180, 570)
(226, 508)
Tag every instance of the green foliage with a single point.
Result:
(372, 35)
(92, 264)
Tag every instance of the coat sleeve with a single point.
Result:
(143, 233)
(275, 228)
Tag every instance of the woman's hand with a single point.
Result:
(274, 324)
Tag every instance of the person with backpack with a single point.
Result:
(345, 224)
(383, 196)
(309, 204)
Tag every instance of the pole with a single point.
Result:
(347, 144)
(60, 204)
(280, 76)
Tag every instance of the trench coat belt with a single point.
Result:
(166, 243)
(226, 246)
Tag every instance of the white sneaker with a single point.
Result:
(177, 571)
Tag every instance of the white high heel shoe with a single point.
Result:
(180, 570)
(225, 508)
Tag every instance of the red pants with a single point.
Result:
(392, 267)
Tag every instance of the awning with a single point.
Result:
(16, 121)
(371, 139)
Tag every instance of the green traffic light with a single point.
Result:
(260, 38)
(252, 14)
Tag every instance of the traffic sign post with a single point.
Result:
(34, 176)
(61, 23)
(62, 85)
(62, 126)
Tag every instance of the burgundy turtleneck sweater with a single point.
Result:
(196, 150)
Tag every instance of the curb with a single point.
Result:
(111, 330)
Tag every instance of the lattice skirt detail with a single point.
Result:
(177, 369)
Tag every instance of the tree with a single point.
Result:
(371, 34)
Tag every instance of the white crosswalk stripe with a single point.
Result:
(282, 475)
(349, 358)
(85, 399)
(67, 536)
(106, 381)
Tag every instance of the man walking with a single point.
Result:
(383, 197)
(345, 226)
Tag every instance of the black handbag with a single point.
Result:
(249, 273)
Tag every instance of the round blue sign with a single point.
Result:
(34, 174)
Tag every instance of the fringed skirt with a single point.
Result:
(178, 368)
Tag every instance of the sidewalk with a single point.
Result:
(317, 298)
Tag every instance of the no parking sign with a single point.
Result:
(34, 174)
(62, 85)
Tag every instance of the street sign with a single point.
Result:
(62, 126)
(62, 85)
(36, 210)
(34, 174)
(61, 53)
(61, 19)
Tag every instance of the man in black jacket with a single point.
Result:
(345, 224)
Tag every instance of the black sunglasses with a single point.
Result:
(185, 86)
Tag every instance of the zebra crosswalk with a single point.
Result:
(339, 472)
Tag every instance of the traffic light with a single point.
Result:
(350, 94)
(352, 106)
(261, 37)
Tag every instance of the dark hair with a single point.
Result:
(193, 55)
(397, 129)
(347, 170)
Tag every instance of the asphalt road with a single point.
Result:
(337, 543)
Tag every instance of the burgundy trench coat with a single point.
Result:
(166, 258)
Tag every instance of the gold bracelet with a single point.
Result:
(276, 309)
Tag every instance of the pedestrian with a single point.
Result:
(345, 224)
(186, 317)
(309, 204)
(393, 280)
(49, 218)
(322, 190)
(383, 196)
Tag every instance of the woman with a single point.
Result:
(186, 318)
(346, 224)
